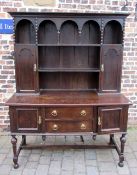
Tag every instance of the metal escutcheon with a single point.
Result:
(54, 113)
(55, 127)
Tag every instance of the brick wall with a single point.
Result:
(129, 73)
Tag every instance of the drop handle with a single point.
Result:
(83, 126)
(55, 127)
(83, 113)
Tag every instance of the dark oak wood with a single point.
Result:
(68, 75)
(68, 99)
(15, 158)
(111, 119)
(113, 33)
(26, 76)
(112, 61)
(25, 32)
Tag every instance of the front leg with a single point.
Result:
(111, 142)
(15, 155)
(23, 140)
(121, 156)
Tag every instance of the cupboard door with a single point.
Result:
(26, 120)
(110, 76)
(25, 57)
(110, 119)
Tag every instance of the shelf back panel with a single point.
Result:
(68, 81)
(69, 33)
(113, 33)
(69, 57)
(47, 33)
(25, 32)
(90, 33)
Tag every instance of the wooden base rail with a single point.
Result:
(112, 144)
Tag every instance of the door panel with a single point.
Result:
(110, 119)
(25, 57)
(110, 77)
(27, 120)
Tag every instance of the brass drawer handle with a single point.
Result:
(99, 121)
(83, 113)
(55, 127)
(54, 113)
(83, 126)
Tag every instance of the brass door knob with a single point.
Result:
(83, 126)
(39, 120)
(55, 127)
(54, 113)
(83, 113)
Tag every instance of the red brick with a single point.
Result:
(17, 4)
(2, 15)
(7, 9)
(7, 72)
(7, 4)
(115, 3)
(8, 67)
(84, 1)
(68, 1)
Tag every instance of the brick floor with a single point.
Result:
(69, 161)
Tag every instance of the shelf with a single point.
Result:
(56, 90)
(68, 70)
(65, 45)
(112, 44)
(26, 44)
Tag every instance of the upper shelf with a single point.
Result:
(25, 32)
(68, 70)
(69, 33)
(113, 33)
(71, 45)
(48, 33)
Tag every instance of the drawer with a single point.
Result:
(74, 113)
(69, 126)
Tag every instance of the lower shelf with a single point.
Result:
(68, 81)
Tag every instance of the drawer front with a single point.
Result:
(69, 126)
(66, 113)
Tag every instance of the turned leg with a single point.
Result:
(23, 140)
(15, 155)
(111, 139)
(43, 137)
(94, 136)
(121, 156)
(82, 139)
